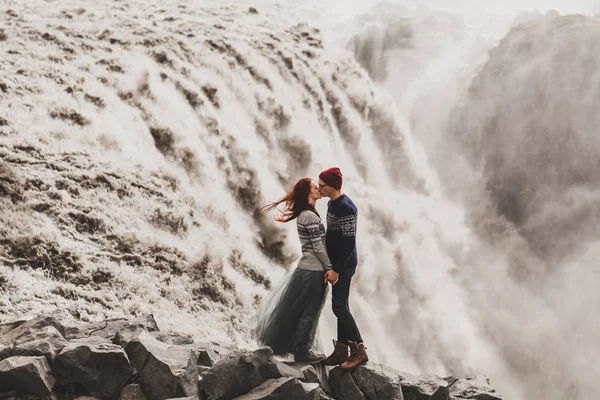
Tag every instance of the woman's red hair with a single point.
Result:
(295, 201)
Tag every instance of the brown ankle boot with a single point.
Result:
(358, 356)
(339, 355)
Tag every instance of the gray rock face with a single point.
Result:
(315, 374)
(31, 375)
(127, 334)
(132, 392)
(165, 371)
(46, 341)
(423, 387)
(92, 340)
(12, 395)
(373, 381)
(283, 389)
(183, 398)
(210, 353)
(241, 372)
(109, 328)
(102, 369)
(324, 396)
(9, 326)
(378, 382)
(131, 360)
(278, 369)
(33, 325)
(173, 338)
(343, 385)
(473, 388)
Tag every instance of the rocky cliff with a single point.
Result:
(131, 359)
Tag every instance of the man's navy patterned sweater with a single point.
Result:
(341, 234)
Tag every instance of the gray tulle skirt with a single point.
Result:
(288, 317)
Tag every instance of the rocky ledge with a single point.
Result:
(131, 359)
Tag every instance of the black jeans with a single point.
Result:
(346, 326)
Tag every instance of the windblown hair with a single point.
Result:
(295, 201)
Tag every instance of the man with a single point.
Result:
(341, 249)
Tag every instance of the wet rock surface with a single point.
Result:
(131, 359)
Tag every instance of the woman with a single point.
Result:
(287, 318)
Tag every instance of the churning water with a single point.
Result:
(139, 138)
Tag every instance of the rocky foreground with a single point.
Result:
(128, 359)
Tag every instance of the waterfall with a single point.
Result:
(138, 141)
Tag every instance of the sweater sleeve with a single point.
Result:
(310, 223)
(347, 244)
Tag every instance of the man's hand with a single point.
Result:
(331, 276)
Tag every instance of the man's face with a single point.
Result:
(324, 188)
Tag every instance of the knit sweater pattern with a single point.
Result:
(342, 219)
(312, 238)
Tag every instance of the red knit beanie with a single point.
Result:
(332, 177)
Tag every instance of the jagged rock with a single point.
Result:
(473, 388)
(26, 375)
(19, 396)
(423, 387)
(173, 338)
(110, 327)
(183, 398)
(283, 389)
(204, 355)
(210, 353)
(9, 326)
(280, 370)
(132, 392)
(127, 334)
(167, 367)
(33, 325)
(92, 340)
(343, 385)
(252, 10)
(202, 368)
(238, 373)
(315, 373)
(101, 369)
(164, 370)
(378, 382)
(47, 341)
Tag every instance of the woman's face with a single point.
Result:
(314, 193)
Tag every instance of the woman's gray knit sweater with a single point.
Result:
(312, 238)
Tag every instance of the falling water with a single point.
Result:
(139, 139)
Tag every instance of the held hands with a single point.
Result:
(331, 276)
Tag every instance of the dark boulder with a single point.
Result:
(101, 369)
(26, 375)
(238, 373)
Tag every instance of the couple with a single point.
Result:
(288, 317)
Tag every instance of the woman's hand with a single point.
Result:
(331, 276)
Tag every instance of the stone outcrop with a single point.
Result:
(109, 328)
(476, 387)
(284, 388)
(26, 375)
(241, 372)
(131, 359)
(102, 369)
(165, 371)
